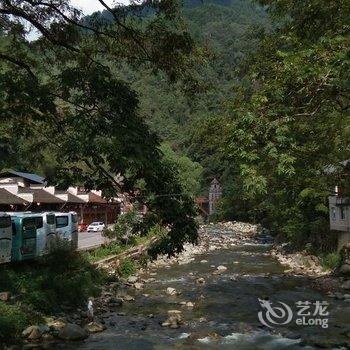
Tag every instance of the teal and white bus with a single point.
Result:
(5, 238)
(45, 228)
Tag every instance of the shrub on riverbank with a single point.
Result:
(58, 281)
(331, 261)
(126, 229)
(116, 247)
(127, 268)
(12, 321)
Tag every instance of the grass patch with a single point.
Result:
(127, 267)
(331, 261)
(104, 251)
(117, 247)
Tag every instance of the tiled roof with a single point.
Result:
(93, 197)
(40, 195)
(71, 197)
(29, 176)
(7, 197)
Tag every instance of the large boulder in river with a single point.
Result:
(32, 333)
(56, 325)
(346, 285)
(72, 331)
(94, 327)
(345, 270)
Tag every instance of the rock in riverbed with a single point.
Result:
(345, 269)
(32, 333)
(219, 270)
(94, 327)
(132, 279)
(200, 280)
(174, 319)
(72, 331)
(172, 291)
(346, 285)
(113, 302)
(56, 325)
(138, 285)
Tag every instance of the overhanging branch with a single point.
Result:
(18, 63)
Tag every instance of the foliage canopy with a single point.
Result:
(60, 94)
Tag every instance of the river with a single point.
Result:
(226, 307)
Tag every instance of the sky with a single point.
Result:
(87, 7)
(90, 6)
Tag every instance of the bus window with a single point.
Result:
(29, 223)
(39, 222)
(50, 219)
(61, 221)
(5, 222)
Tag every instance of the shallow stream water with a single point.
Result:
(226, 307)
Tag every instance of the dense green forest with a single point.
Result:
(225, 31)
(286, 122)
(271, 110)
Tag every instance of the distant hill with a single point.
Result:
(225, 27)
(221, 23)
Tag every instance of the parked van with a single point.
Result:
(5, 238)
(67, 227)
(45, 226)
(24, 235)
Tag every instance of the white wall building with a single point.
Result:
(339, 218)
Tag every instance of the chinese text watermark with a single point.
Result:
(306, 313)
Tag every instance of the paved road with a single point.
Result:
(90, 239)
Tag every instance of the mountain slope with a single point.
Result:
(224, 27)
